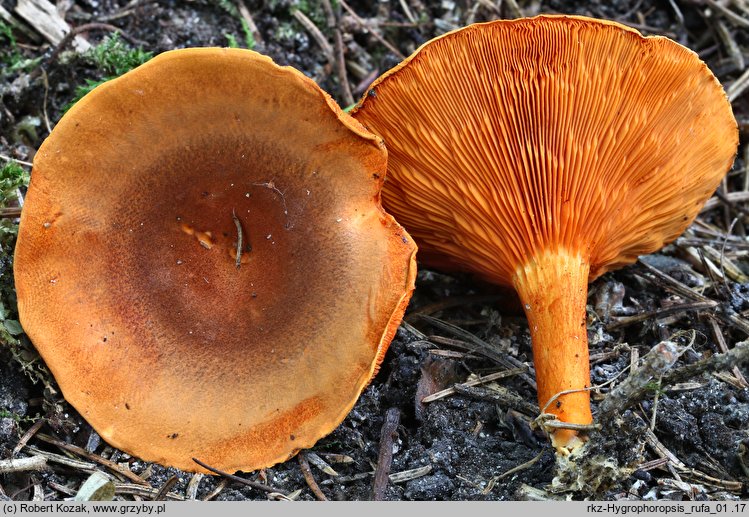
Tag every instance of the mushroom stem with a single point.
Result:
(553, 287)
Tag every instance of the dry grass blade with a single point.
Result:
(408, 475)
(659, 313)
(652, 464)
(62, 460)
(93, 457)
(476, 345)
(476, 382)
(320, 463)
(520, 467)
(20, 162)
(734, 486)
(337, 458)
(730, 45)
(733, 92)
(216, 491)
(142, 491)
(454, 301)
(501, 396)
(342, 480)
(192, 486)
(529, 493)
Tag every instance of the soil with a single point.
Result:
(471, 445)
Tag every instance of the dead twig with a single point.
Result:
(340, 61)
(30, 463)
(316, 34)
(664, 280)
(723, 346)
(385, 456)
(247, 17)
(309, 478)
(739, 354)
(27, 436)
(731, 16)
(635, 387)
(247, 482)
(730, 44)
(374, 33)
(520, 467)
(44, 17)
(165, 488)
(731, 197)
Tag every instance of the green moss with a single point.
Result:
(115, 57)
(11, 58)
(249, 39)
(111, 58)
(12, 177)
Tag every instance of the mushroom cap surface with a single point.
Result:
(127, 273)
(510, 138)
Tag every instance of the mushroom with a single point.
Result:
(540, 153)
(204, 264)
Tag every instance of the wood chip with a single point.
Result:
(43, 16)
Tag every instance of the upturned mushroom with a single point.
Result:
(540, 153)
(203, 261)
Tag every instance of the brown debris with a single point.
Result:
(388, 434)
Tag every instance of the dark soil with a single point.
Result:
(464, 444)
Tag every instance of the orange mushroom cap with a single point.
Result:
(127, 270)
(541, 153)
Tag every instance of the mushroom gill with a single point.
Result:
(540, 153)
